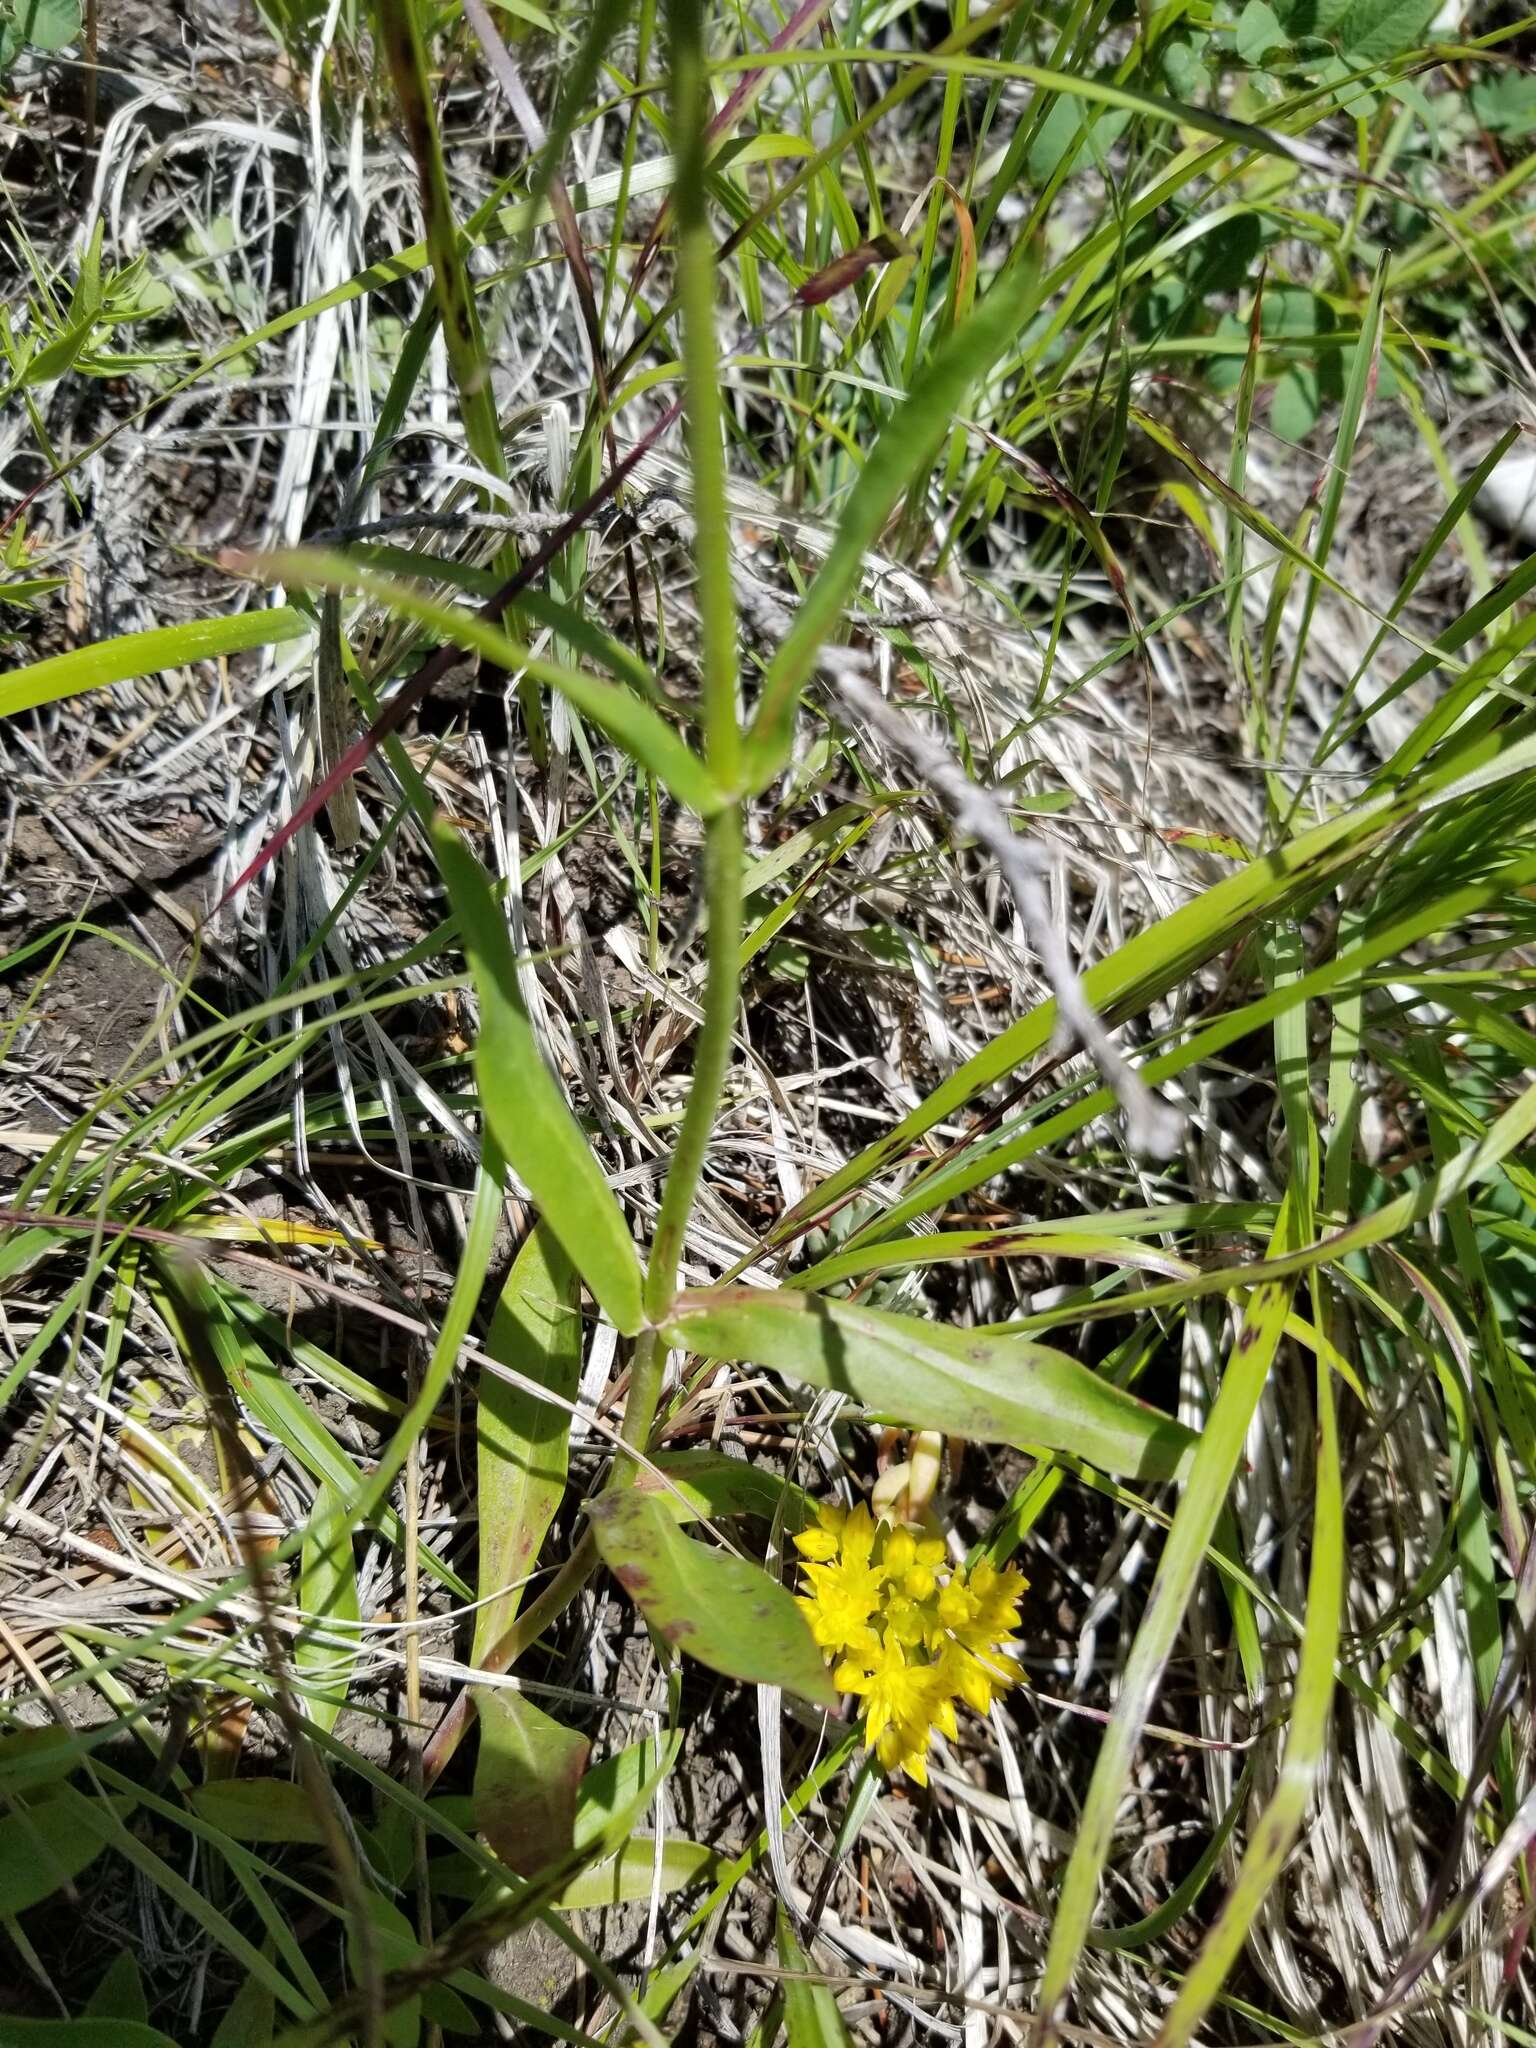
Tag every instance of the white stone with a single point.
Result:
(1508, 499)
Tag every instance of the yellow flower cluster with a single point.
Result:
(906, 1634)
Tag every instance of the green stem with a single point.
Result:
(645, 1373)
(701, 372)
(722, 732)
(712, 1053)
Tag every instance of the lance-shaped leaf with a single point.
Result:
(721, 1609)
(523, 1441)
(527, 1113)
(525, 1780)
(998, 1389)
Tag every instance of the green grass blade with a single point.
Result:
(642, 732)
(907, 444)
(1215, 1459)
(144, 654)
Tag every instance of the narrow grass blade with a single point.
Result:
(641, 731)
(906, 445)
(1216, 1454)
(811, 2017)
(145, 654)
(328, 1595)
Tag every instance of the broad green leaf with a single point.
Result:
(714, 1485)
(328, 1596)
(251, 2019)
(144, 654)
(446, 2009)
(1258, 32)
(30, 1757)
(614, 1793)
(1505, 104)
(120, 1994)
(522, 1441)
(997, 1389)
(259, 1810)
(526, 1110)
(721, 1609)
(1298, 400)
(811, 2017)
(47, 24)
(1070, 123)
(44, 1845)
(89, 2033)
(526, 1776)
(1376, 31)
(632, 1873)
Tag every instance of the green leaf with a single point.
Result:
(328, 1596)
(525, 1108)
(526, 1778)
(447, 2010)
(997, 1389)
(250, 2020)
(1376, 31)
(395, 1947)
(1189, 78)
(144, 654)
(714, 1485)
(30, 1757)
(48, 24)
(632, 1873)
(811, 2017)
(258, 1810)
(58, 355)
(905, 447)
(1296, 404)
(1064, 125)
(1505, 104)
(120, 1994)
(1258, 32)
(43, 1846)
(722, 1610)
(615, 1793)
(523, 1441)
(1304, 18)
(16, 2033)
